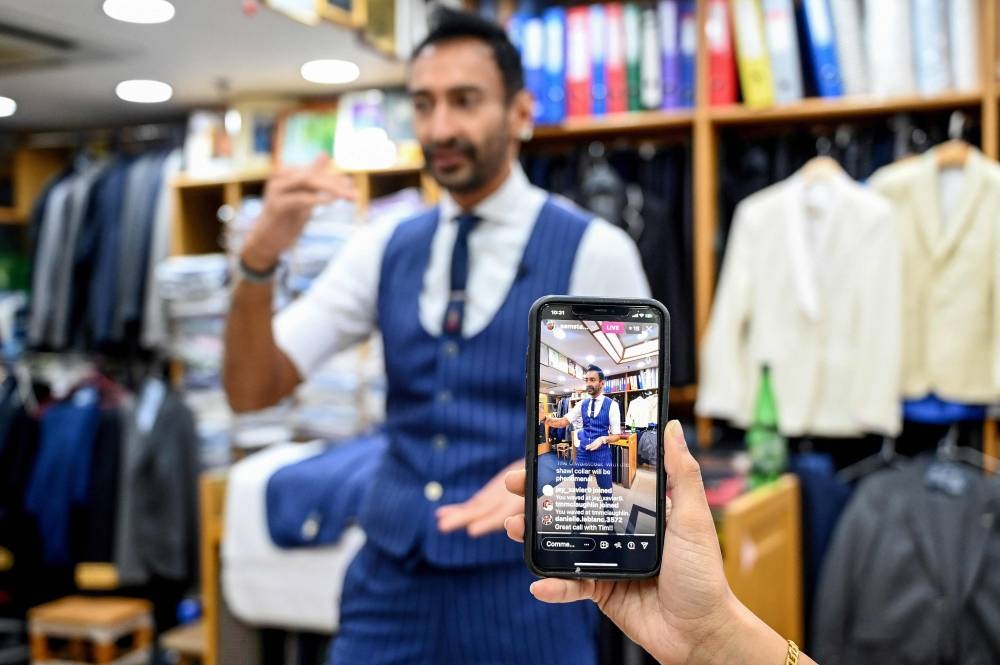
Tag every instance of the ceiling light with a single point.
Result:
(562, 379)
(559, 333)
(552, 392)
(144, 91)
(139, 11)
(591, 359)
(7, 107)
(330, 71)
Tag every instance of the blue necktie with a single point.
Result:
(455, 311)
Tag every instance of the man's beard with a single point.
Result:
(483, 163)
(593, 391)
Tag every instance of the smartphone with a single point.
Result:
(598, 377)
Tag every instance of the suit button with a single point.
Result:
(450, 349)
(444, 396)
(440, 442)
(433, 491)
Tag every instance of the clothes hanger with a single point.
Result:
(886, 457)
(948, 450)
(953, 153)
(821, 167)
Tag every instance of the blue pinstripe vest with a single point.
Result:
(598, 425)
(455, 408)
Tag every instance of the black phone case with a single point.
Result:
(531, 449)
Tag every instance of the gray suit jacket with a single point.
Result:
(913, 573)
(158, 510)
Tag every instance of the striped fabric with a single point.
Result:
(455, 407)
(414, 596)
(596, 462)
(407, 612)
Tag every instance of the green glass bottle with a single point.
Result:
(767, 447)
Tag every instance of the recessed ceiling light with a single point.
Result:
(330, 71)
(562, 379)
(144, 91)
(7, 107)
(591, 359)
(552, 392)
(139, 11)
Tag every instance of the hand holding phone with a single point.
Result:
(688, 614)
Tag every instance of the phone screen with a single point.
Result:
(600, 378)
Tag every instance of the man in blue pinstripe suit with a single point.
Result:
(449, 290)
(602, 426)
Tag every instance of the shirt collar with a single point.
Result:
(497, 206)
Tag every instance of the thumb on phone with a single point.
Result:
(684, 478)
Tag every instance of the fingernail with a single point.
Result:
(506, 519)
(532, 588)
(675, 430)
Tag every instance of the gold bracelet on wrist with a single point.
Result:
(793, 654)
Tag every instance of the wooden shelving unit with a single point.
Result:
(838, 109)
(30, 170)
(618, 123)
(703, 125)
(196, 229)
(11, 216)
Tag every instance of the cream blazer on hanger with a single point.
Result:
(810, 286)
(951, 278)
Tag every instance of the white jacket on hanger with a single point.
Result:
(810, 287)
(638, 412)
(951, 278)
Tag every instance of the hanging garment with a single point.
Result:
(951, 284)
(45, 262)
(666, 246)
(93, 528)
(659, 216)
(302, 586)
(913, 572)
(154, 320)
(138, 207)
(810, 287)
(20, 540)
(97, 262)
(824, 498)
(60, 479)
(77, 209)
(156, 534)
(649, 447)
(637, 414)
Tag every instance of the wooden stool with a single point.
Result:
(93, 630)
(187, 641)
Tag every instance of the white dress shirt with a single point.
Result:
(340, 308)
(614, 414)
